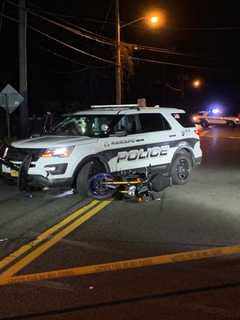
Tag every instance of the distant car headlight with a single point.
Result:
(195, 118)
(63, 152)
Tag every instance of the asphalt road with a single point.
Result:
(203, 214)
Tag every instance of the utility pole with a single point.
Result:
(118, 72)
(23, 87)
(2, 11)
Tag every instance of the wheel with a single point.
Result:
(181, 168)
(204, 123)
(230, 124)
(98, 188)
(89, 169)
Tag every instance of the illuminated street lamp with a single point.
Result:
(197, 83)
(154, 19)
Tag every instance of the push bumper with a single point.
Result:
(41, 182)
(38, 181)
(19, 173)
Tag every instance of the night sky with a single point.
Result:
(204, 34)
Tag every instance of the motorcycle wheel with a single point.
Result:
(98, 189)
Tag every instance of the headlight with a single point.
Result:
(63, 152)
(5, 152)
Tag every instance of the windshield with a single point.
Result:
(86, 125)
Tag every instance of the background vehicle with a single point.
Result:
(116, 139)
(206, 118)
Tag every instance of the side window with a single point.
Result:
(151, 122)
(133, 124)
(184, 119)
(129, 123)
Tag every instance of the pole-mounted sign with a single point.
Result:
(10, 100)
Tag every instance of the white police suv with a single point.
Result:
(116, 139)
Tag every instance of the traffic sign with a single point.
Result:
(10, 99)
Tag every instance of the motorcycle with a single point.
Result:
(141, 187)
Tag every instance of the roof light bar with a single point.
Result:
(115, 106)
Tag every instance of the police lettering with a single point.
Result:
(142, 154)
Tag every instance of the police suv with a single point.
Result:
(116, 139)
(206, 118)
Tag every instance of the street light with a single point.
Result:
(154, 19)
(197, 83)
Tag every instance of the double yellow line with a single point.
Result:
(32, 250)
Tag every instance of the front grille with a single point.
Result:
(18, 154)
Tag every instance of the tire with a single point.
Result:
(204, 124)
(231, 124)
(99, 190)
(88, 170)
(181, 168)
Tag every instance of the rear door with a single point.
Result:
(119, 144)
(151, 143)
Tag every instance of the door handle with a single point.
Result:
(172, 135)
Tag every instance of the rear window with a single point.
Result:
(184, 119)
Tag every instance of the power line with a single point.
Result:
(81, 70)
(220, 28)
(101, 39)
(105, 60)
(106, 18)
(93, 36)
(77, 32)
(62, 42)
(61, 16)
(230, 28)
(8, 17)
(50, 13)
(75, 71)
(142, 47)
(86, 66)
(105, 40)
(67, 59)
(159, 50)
(69, 23)
(88, 34)
(172, 63)
(112, 43)
(71, 47)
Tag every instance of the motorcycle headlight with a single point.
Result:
(195, 118)
(62, 152)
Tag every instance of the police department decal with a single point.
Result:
(139, 154)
